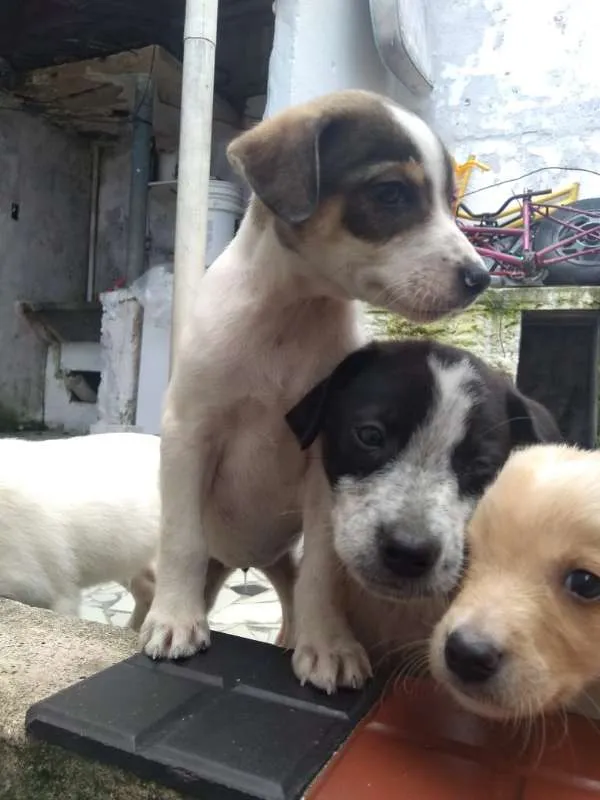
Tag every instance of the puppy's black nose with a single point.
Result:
(471, 657)
(409, 559)
(474, 278)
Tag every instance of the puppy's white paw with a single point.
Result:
(328, 665)
(174, 636)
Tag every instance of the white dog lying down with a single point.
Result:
(77, 512)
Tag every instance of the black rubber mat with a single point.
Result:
(227, 724)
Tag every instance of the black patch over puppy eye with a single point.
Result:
(371, 436)
(380, 210)
(390, 194)
(583, 585)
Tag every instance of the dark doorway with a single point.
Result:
(558, 365)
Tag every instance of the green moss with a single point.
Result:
(500, 307)
(9, 420)
(491, 327)
(12, 422)
(42, 772)
(463, 330)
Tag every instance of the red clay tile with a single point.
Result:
(375, 766)
(418, 745)
(423, 712)
(576, 753)
(544, 790)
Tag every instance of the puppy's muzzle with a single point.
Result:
(474, 278)
(470, 657)
(406, 558)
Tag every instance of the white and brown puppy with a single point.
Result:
(411, 433)
(351, 200)
(77, 512)
(523, 635)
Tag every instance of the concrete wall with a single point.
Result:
(43, 254)
(61, 411)
(120, 361)
(323, 47)
(113, 198)
(517, 83)
(113, 211)
(113, 208)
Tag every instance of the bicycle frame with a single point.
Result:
(531, 261)
(561, 197)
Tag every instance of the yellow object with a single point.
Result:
(463, 174)
(561, 197)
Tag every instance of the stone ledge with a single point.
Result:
(40, 654)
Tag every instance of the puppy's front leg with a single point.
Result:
(142, 588)
(176, 625)
(327, 653)
(283, 575)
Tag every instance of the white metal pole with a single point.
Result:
(195, 135)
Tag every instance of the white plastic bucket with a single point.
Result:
(167, 166)
(225, 210)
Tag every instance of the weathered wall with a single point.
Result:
(120, 360)
(113, 212)
(113, 205)
(113, 196)
(517, 83)
(323, 47)
(43, 254)
(491, 327)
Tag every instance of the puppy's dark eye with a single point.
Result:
(390, 194)
(371, 436)
(583, 584)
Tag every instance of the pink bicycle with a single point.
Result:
(542, 243)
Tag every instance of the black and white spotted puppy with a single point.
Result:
(411, 433)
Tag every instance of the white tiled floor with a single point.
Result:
(247, 606)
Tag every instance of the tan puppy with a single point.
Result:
(352, 200)
(523, 635)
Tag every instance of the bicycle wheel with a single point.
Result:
(579, 267)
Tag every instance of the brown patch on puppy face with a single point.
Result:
(326, 227)
(377, 206)
(396, 243)
(532, 589)
(379, 174)
(303, 156)
(388, 204)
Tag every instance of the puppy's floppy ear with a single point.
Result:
(306, 418)
(279, 158)
(530, 422)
